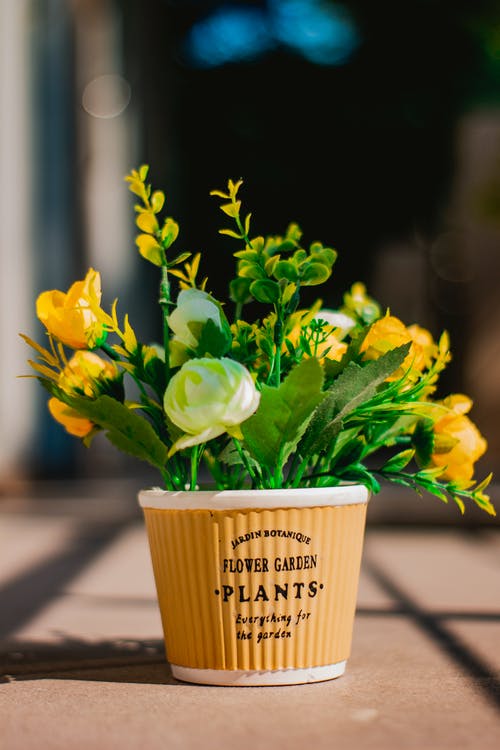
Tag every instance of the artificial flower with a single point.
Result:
(70, 419)
(388, 333)
(458, 444)
(209, 397)
(72, 316)
(193, 310)
(87, 374)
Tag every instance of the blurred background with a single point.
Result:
(374, 125)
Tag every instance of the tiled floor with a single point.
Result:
(83, 665)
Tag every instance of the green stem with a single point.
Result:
(278, 473)
(238, 311)
(293, 468)
(107, 349)
(275, 371)
(164, 304)
(300, 472)
(194, 467)
(246, 462)
(172, 482)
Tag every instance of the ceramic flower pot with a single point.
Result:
(257, 587)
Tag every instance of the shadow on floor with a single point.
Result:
(126, 661)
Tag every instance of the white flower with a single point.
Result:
(337, 320)
(194, 308)
(208, 397)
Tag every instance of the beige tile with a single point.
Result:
(439, 570)
(123, 569)
(399, 692)
(371, 595)
(95, 619)
(25, 541)
(113, 597)
(481, 638)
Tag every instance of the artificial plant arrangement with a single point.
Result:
(301, 397)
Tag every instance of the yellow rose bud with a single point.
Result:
(70, 419)
(388, 333)
(71, 317)
(424, 346)
(458, 444)
(86, 374)
(208, 397)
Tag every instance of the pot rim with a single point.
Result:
(305, 497)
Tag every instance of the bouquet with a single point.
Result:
(300, 397)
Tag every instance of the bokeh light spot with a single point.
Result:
(106, 96)
(228, 35)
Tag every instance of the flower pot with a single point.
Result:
(257, 587)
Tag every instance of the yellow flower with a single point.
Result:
(71, 317)
(86, 374)
(458, 444)
(424, 346)
(388, 333)
(357, 301)
(70, 419)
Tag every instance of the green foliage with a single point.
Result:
(273, 432)
(354, 386)
(124, 428)
(294, 398)
(213, 341)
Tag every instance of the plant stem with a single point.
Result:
(107, 349)
(238, 311)
(300, 472)
(246, 462)
(278, 473)
(194, 467)
(275, 371)
(164, 304)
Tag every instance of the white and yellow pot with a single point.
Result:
(257, 587)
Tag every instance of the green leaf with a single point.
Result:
(231, 233)
(273, 432)
(125, 429)
(239, 290)
(325, 255)
(251, 270)
(231, 209)
(150, 249)
(355, 385)
(271, 264)
(265, 290)
(169, 232)
(423, 440)
(286, 269)
(157, 201)
(213, 340)
(231, 457)
(314, 274)
(247, 254)
(178, 259)
(398, 462)
(360, 474)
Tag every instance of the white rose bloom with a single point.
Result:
(193, 306)
(209, 397)
(337, 320)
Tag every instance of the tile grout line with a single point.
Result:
(24, 595)
(431, 625)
